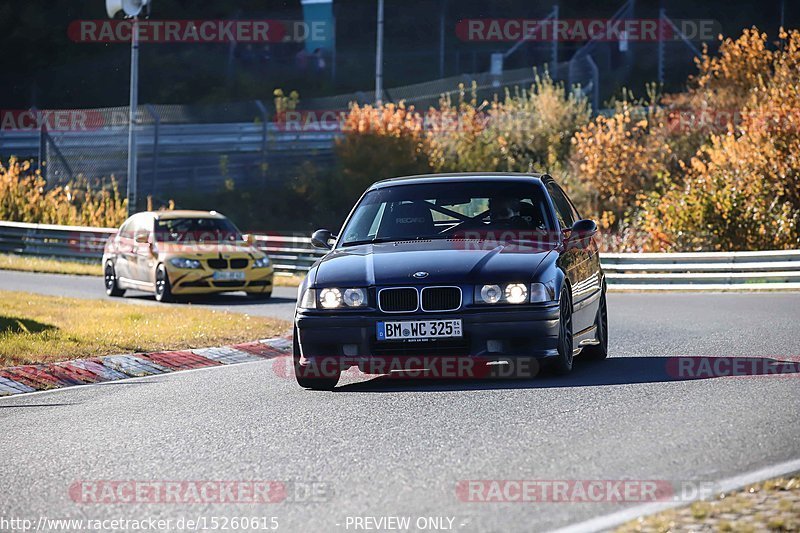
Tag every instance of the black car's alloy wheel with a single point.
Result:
(112, 289)
(600, 350)
(310, 378)
(563, 362)
(163, 288)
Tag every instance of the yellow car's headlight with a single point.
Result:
(262, 262)
(183, 262)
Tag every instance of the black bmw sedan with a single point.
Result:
(453, 272)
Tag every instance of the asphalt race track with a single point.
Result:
(281, 305)
(379, 447)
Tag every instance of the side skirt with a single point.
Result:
(136, 285)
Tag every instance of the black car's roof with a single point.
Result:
(461, 176)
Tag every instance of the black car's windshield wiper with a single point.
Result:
(382, 240)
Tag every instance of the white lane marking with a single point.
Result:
(609, 521)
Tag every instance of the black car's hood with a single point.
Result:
(444, 261)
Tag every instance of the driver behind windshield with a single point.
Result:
(503, 209)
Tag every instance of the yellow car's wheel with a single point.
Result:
(110, 275)
(163, 287)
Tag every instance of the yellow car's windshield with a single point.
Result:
(197, 229)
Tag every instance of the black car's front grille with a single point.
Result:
(441, 298)
(398, 300)
(218, 264)
(238, 263)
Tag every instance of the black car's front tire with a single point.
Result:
(599, 351)
(312, 378)
(110, 275)
(562, 363)
(163, 287)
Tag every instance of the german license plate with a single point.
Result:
(418, 329)
(228, 276)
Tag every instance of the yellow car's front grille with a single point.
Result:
(218, 264)
(224, 264)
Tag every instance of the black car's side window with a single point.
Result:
(575, 215)
(564, 211)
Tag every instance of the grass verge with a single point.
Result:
(49, 266)
(772, 505)
(41, 329)
(61, 266)
(292, 280)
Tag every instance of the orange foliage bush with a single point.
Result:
(742, 189)
(24, 197)
(527, 131)
(658, 188)
(616, 158)
(378, 142)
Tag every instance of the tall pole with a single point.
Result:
(783, 7)
(379, 57)
(662, 19)
(442, 16)
(132, 182)
(555, 42)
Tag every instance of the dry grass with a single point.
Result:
(38, 329)
(49, 266)
(292, 280)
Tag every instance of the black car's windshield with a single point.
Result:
(449, 210)
(199, 229)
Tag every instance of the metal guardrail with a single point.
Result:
(779, 269)
(176, 156)
(773, 269)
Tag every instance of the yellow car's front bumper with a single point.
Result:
(205, 281)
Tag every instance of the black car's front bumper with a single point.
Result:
(489, 334)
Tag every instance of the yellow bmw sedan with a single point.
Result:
(172, 253)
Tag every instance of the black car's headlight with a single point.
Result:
(513, 293)
(184, 262)
(333, 298)
(262, 262)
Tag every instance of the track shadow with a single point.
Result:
(225, 299)
(612, 371)
(15, 325)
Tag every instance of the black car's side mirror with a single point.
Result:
(581, 233)
(321, 238)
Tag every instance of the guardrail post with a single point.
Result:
(154, 177)
(43, 151)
